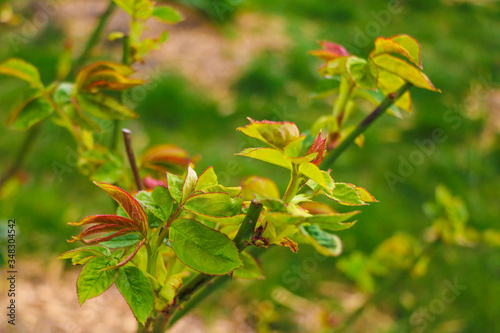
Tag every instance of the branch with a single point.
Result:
(127, 137)
(386, 103)
(96, 35)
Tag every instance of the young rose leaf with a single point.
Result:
(346, 194)
(263, 187)
(281, 225)
(332, 221)
(269, 155)
(331, 51)
(167, 14)
(223, 221)
(231, 191)
(28, 96)
(161, 197)
(362, 72)
(292, 245)
(319, 147)
(274, 205)
(203, 249)
(311, 171)
(135, 287)
(81, 255)
(131, 206)
(22, 70)
(250, 269)
(31, 114)
(165, 158)
(317, 208)
(294, 147)
(189, 183)
(175, 185)
(324, 242)
(148, 44)
(153, 211)
(390, 83)
(141, 9)
(122, 241)
(79, 119)
(402, 45)
(207, 178)
(404, 70)
(214, 204)
(109, 80)
(105, 107)
(92, 280)
(276, 134)
(365, 195)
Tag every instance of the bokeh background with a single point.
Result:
(233, 59)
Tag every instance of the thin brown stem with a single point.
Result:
(127, 138)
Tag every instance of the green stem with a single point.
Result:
(242, 240)
(293, 185)
(386, 103)
(96, 35)
(23, 151)
(345, 91)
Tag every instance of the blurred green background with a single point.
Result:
(461, 54)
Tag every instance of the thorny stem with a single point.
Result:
(127, 138)
(241, 240)
(96, 35)
(379, 110)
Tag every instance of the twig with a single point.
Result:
(127, 138)
(23, 151)
(96, 35)
(386, 103)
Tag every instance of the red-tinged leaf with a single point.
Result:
(22, 70)
(97, 229)
(82, 79)
(106, 219)
(287, 242)
(151, 182)
(331, 51)
(126, 260)
(167, 157)
(365, 195)
(131, 206)
(404, 70)
(402, 45)
(274, 133)
(100, 239)
(319, 147)
(110, 80)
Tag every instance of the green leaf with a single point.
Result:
(276, 134)
(161, 197)
(250, 269)
(281, 225)
(79, 119)
(122, 241)
(260, 186)
(294, 147)
(324, 242)
(189, 183)
(34, 112)
(346, 194)
(214, 204)
(207, 178)
(22, 70)
(311, 171)
(224, 221)
(102, 106)
(232, 191)
(362, 72)
(81, 255)
(404, 70)
(167, 15)
(402, 45)
(135, 287)
(333, 221)
(269, 155)
(92, 280)
(175, 185)
(142, 9)
(203, 249)
(274, 205)
(154, 212)
(390, 83)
